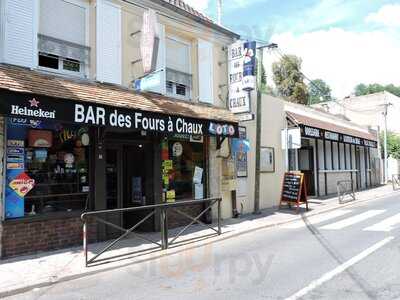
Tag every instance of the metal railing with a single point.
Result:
(345, 187)
(155, 210)
(396, 182)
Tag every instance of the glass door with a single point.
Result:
(113, 189)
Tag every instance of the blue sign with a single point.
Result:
(249, 66)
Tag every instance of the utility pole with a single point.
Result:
(385, 146)
(258, 126)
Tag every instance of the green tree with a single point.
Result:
(319, 91)
(289, 80)
(366, 89)
(393, 141)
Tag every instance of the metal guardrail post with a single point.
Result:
(85, 250)
(342, 190)
(164, 228)
(219, 215)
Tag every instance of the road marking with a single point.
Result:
(340, 269)
(353, 220)
(318, 219)
(385, 225)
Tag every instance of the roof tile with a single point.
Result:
(35, 82)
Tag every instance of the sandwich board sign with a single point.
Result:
(294, 190)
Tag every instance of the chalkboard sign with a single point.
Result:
(294, 189)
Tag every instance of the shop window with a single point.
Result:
(64, 51)
(47, 168)
(183, 169)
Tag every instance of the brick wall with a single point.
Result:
(21, 238)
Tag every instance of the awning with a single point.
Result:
(28, 93)
(315, 128)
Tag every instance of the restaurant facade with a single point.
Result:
(324, 147)
(62, 157)
(333, 150)
(74, 134)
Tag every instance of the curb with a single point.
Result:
(173, 251)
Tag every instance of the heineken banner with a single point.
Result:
(21, 105)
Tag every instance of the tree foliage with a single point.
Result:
(393, 141)
(319, 91)
(366, 89)
(289, 80)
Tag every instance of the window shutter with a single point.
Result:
(108, 48)
(63, 20)
(161, 59)
(206, 76)
(20, 32)
(178, 55)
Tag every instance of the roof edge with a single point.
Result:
(196, 18)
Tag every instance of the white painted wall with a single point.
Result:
(273, 121)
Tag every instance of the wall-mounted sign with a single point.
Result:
(84, 113)
(249, 66)
(333, 136)
(307, 131)
(239, 100)
(312, 132)
(246, 117)
(291, 138)
(152, 82)
(267, 159)
(149, 41)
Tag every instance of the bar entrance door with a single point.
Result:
(128, 184)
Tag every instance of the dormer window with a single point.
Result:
(63, 50)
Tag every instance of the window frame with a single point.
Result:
(84, 70)
(187, 97)
(56, 215)
(189, 90)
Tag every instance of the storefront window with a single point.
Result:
(47, 167)
(183, 169)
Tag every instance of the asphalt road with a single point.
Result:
(353, 253)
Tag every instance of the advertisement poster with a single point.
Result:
(241, 156)
(249, 66)
(267, 159)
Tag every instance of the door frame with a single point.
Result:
(312, 167)
(117, 220)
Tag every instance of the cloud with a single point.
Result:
(200, 5)
(388, 15)
(343, 58)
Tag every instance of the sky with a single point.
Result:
(343, 42)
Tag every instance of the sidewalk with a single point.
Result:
(25, 273)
